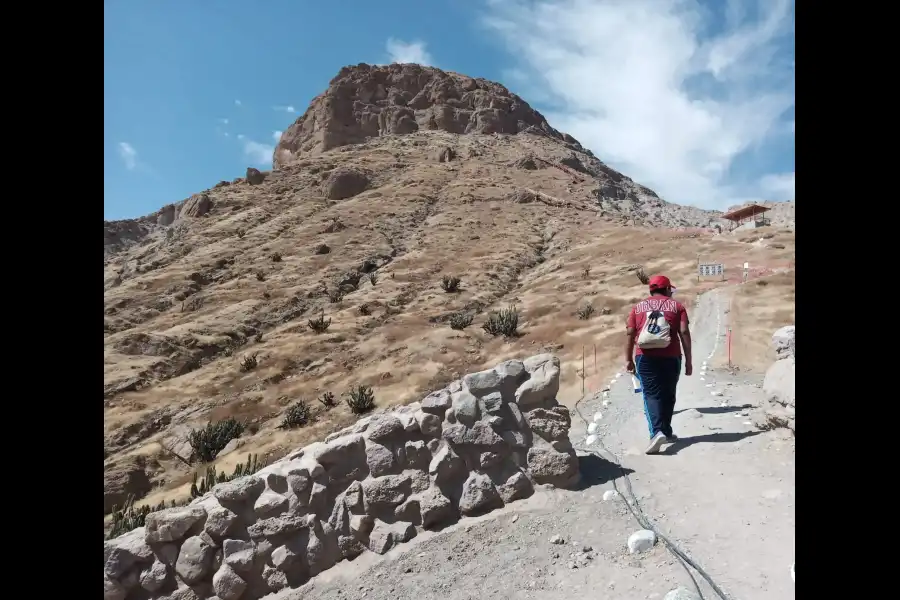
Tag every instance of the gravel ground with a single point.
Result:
(724, 493)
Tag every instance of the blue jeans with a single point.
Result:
(659, 378)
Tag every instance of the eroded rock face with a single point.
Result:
(470, 448)
(366, 101)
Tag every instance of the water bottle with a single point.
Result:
(636, 384)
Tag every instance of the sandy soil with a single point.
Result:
(724, 493)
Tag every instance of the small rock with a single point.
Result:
(641, 541)
(610, 495)
(556, 539)
(681, 594)
(587, 548)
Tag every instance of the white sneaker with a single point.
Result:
(655, 443)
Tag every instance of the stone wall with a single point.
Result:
(474, 446)
(779, 386)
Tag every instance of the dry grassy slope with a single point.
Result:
(175, 363)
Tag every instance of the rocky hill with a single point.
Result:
(338, 269)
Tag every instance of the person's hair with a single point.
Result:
(664, 291)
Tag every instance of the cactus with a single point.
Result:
(460, 320)
(585, 312)
(297, 415)
(360, 399)
(320, 324)
(450, 283)
(209, 441)
(504, 323)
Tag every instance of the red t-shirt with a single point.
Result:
(675, 314)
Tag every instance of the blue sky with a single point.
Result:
(692, 98)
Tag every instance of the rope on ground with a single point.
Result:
(635, 508)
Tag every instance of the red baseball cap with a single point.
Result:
(658, 282)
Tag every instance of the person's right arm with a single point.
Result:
(684, 331)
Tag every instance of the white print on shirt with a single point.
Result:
(666, 305)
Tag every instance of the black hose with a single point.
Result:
(635, 508)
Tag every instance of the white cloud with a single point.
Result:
(411, 52)
(287, 109)
(128, 155)
(240, 136)
(223, 121)
(778, 186)
(644, 85)
(259, 154)
(237, 103)
(276, 135)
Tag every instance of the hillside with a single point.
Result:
(394, 178)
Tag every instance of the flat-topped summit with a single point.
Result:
(366, 101)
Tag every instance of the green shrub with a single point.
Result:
(450, 283)
(260, 276)
(460, 320)
(276, 257)
(642, 276)
(206, 443)
(360, 399)
(297, 415)
(505, 323)
(373, 279)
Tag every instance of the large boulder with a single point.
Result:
(777, 410)
(345, 183)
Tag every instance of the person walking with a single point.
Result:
(656, 331)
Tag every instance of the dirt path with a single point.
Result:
(724, 493)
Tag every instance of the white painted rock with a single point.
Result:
(703, 379)
(716, 393)
(641, 541)
(613, 494)
(598, 416)
(592, 428)
(605, 403)
(681, 594)
(590, 440)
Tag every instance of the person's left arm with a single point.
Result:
(630, 328)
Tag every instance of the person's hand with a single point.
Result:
(629, 367)
(688, 369)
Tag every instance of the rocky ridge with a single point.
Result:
(481, 442)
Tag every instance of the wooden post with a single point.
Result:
(729, 347)
(582, 370)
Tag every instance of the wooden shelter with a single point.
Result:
(752, 213)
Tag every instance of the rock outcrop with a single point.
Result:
(474, 446)
(779, 385)
(364, 102)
